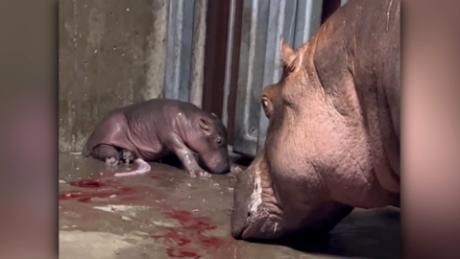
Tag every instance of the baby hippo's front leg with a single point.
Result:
(186, 156)
(191, 165)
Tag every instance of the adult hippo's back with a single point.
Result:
(333, 137)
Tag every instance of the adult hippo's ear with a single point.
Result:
(291, 59)
(287, 54)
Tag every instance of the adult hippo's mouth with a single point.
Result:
(256, 214)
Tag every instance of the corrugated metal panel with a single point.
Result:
(265, 23)
(186, 35)
(185, 50)
(228, 65)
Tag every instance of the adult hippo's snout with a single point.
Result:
(258, 214)
(255, 214)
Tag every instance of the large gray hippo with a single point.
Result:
(333, 137)
(151, 130)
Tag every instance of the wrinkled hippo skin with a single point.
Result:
(333, 137)
(154, 129)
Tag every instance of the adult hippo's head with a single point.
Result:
(333, 137)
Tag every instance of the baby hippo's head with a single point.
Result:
(209, 140)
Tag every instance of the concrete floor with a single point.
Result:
(167, 214)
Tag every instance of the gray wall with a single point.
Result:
(111, 53)
(117, 52)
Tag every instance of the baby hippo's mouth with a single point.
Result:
(217, 164)
(220, 168)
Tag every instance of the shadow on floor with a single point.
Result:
(364, 233)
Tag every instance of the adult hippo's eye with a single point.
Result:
(266, 105)
(219, 140)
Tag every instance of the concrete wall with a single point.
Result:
(111, 53)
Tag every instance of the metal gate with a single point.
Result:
(259, 65)
(263, 23)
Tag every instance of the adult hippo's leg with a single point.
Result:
(110, 154)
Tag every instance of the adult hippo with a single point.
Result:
(333, 137)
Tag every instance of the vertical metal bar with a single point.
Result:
(179, 49)
(251, 71)
(172, 49)
(198, 45)
(279, 10)
(260, 64)
(308, 20)
(228, 65)
(186, 52)
(296, 21)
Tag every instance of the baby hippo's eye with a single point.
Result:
(219, 140)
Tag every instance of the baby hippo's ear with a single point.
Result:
(205, 125)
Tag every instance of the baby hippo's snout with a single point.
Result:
(221, 167)
(218, 163)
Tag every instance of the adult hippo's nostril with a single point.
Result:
(241, 213)
(252, 218)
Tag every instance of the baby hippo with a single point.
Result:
(152, 130)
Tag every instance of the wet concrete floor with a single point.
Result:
(167, 214)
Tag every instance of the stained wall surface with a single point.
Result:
(111, 53)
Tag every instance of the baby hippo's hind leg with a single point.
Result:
(127, 156)
(110, 154)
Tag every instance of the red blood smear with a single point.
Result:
(191, 229)
(87, 196)
(182, 216)
(187, 220)
(94, 184)
(86, 183)
(179, 253)
(173, 236)
(211, 242)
